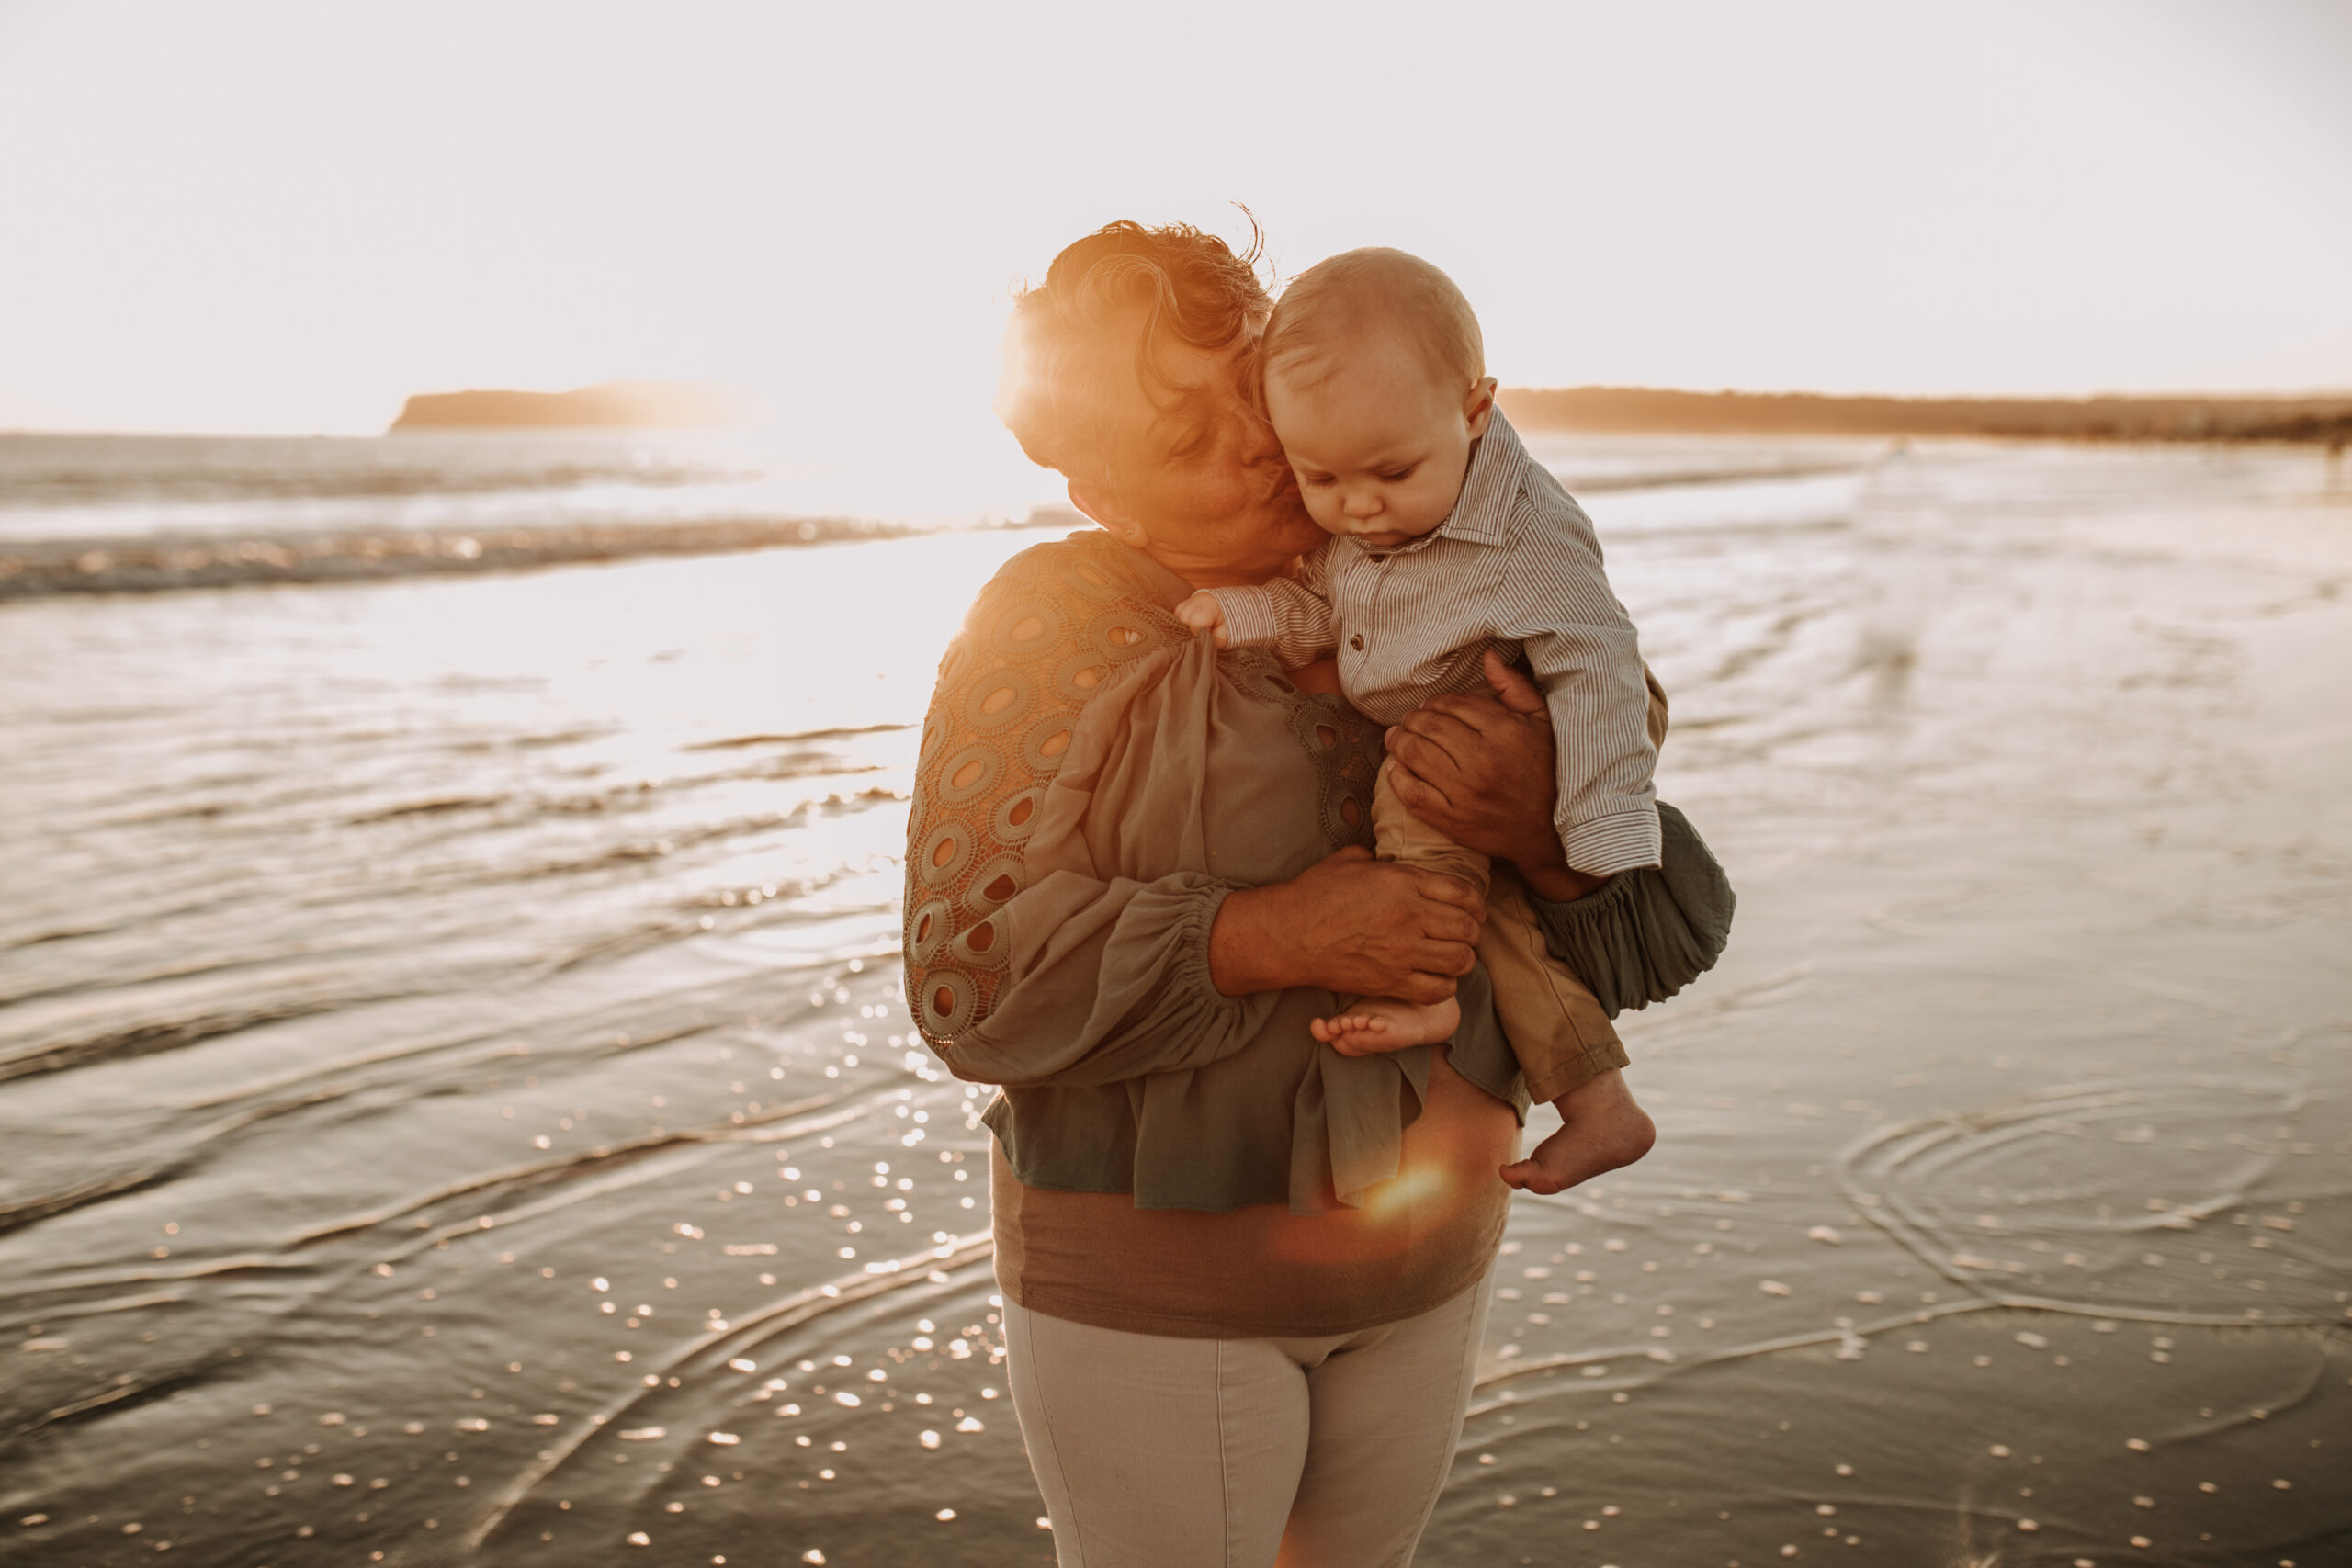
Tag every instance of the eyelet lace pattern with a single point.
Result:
(1045, 636)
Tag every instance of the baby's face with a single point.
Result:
(1380, 447)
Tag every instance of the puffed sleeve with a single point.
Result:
(1030, 962)
(1644, 935)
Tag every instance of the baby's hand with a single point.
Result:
(1204, 613)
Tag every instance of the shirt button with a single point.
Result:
(1356, 642)
(1377, 559)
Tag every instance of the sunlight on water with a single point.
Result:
(459, 1104)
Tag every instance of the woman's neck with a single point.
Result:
(1197, 574)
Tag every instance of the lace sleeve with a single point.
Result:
(1112, 975)
(1010, 689)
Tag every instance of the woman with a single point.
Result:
(1245, 1276)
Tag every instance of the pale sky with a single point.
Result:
(254, 217)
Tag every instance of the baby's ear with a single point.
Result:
(1478, 405)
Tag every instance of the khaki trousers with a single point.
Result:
(1326, 1452)
(1555, 1027)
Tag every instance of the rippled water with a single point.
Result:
(456, 1103)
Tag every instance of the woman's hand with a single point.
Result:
(1350, 924)
(1480, 770)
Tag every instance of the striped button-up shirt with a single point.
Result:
(1516, 567)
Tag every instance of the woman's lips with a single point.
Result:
(1281, 483)
(1281, 500)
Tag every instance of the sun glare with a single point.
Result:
(312, 213)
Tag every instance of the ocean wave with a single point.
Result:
(1679, 478)
(82, 470)
(38, 569)
(45, 568)
(156, 1037)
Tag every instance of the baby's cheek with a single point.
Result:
(1325, 508)
(1422, 511)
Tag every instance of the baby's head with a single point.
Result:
(1376, 380)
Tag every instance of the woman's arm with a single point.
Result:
(1352, 923)
(1635, 938)
(1018, 976)
(1140, 977)
(1481, 769)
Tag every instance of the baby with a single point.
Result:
(1449, 541)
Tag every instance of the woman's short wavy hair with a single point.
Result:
(1185, 285)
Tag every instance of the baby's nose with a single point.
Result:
(1362, 503)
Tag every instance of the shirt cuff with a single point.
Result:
(1251, 617)
(1190, 969)
(1624, 841)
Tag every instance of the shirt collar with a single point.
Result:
(1482, 515)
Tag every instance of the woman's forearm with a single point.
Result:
(1349, 924)
(1250, 946)
(1480, 768)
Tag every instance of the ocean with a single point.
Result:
(457, 1103)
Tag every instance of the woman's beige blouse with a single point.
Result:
(1093, 780)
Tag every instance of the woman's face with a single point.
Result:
(1198, 481)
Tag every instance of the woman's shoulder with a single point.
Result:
(1086, 567)
(1078, 600)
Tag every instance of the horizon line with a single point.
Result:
(2014, 400)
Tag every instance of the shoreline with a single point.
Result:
(2323, 420)
(47, 569)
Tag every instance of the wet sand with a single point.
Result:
(452, 1051)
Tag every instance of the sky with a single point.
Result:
(287, 217)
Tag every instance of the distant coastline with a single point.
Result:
(1627, 410)
(2326, 419)
(642, 405)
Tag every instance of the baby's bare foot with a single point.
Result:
(1385, 1024)
(1601, 1129)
